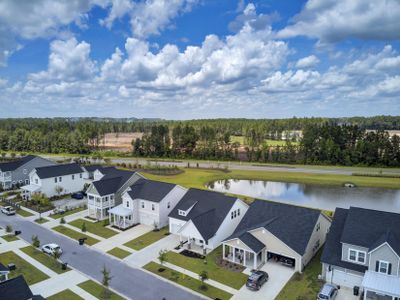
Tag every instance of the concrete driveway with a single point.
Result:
(346, 294)
(278, 276)
(131, 282)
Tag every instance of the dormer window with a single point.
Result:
(357, 256)
(181, 212)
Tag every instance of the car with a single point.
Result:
(256, 280)
(8, 210)
(328, 292)
(51, 248)
(78, 196)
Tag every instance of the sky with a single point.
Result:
(186, 59)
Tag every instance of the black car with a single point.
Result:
(78, 196)
(256, 280)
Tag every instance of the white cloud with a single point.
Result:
(119, 8)
(307, 62)
(335, 20)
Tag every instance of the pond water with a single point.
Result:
(317, 196)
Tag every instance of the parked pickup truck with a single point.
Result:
(8, 210)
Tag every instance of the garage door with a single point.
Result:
(285, 260)
(175, 228)
(147, 220)
(344, 279)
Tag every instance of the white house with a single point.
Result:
(146, 202)
(203, 219)
(106, 190)
(55, 180)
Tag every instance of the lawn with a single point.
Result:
(240, 140)
(75, 235)
(41, 220)
(24, 213)
(187, 281)
(233, 279)
(44, 259)
(10, 238)
(97, 290)
(118, 252)
(65, 295)
(147, 239)
(30, 273)
(96, 228)
(305, 285)
(67, 213)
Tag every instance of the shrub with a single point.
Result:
(35, 241)
(62, 220)
(9, 228)
(83, 228)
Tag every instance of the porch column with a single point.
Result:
(365, 295)
(223, 251)
(124, 222)
(255, 260)
(244, 257)
(234, 254)
(109, 218)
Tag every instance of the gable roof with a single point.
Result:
(252, 242)
(3, 268)
(15, 289)
(112, 181)
(150, 190)
(15, 164)
(92, 168)
(58, 170)
(370, 228)
(209, 210)
(292, 224)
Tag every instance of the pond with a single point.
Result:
(316, 196)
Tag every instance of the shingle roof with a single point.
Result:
(58, 170)
(292, 224)
(92, 168)
(15, 289)
(112, 181)
(13, 165)
(251, 241)
(209, 210)
(150, 190)
(367, 227)
(3, 268)
(332, 253)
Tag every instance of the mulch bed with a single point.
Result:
(229, 265)
(192, 254)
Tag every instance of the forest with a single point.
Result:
(338, 141)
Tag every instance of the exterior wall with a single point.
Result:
(97, 175)
(189, 230)
(147, 215)
(229, 225)
(237, 244)
(317, 238)
(172, 198)
(345, 253)
(341, 276)
(384, 253)
(175, 225)
(69, 185)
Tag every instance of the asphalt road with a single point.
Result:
(130, 282)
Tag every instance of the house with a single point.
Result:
(16, 172)
(17, 289)
(363, 250)
(146, 202)
(106, 190)
(91, 170)
(276, 231)
(203, 219)
(55, 180)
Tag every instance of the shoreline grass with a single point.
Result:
(147, 239)
(75, 235)
(96, 228)
(44, 259)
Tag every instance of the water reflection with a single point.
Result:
(323, 197)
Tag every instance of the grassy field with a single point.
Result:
(67, 213)
(147, 239)
(10, 238)
(24, 213)
(75, 235)
(187, 281)
(44, 259)
(30, 273)
(65, 295)
(118, 252)
(305, 285)
(240, 140)
(98, 290)
(96, 228)
(215, 272)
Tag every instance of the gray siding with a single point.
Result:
(386, 254)
(22, 173)
(345, 253)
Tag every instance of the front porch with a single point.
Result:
(378, 286)
(28, 190)
(193, 244)
(248, 259)
(121, 217)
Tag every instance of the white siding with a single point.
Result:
(171, 200)
(175, 225)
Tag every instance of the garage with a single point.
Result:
(282, 259)
(175, 228)
(148, 219)
(343, 278)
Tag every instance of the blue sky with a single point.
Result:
(182, 59)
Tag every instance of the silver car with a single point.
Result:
(51, 248)
(328, 292)
(8, 210)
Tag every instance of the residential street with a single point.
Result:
(131, 282)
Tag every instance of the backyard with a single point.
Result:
(97, 228)
(147, 239)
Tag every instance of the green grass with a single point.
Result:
(187, 281)
(67, 213)
(41, 220)
(305, 285)
(10, 238)
(30, 273)
(65, 295)
(215, 272)
(24, 213)
(118, 252)
(75, 235)
(241, 141)
(44, 259)
(97, 290)
(95, 228)
(147, 239)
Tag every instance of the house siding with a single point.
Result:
(384, 253)
(173, 198)
(69, 185)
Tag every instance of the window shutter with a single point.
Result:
(390, 269)
(377, 266)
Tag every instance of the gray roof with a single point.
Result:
(15, 289)
(3, 268)
(251, 241)
(209, 210)
(112, 181)
(292, 224)
(58, 170)
(92, 168)
(332, 253)
(15, 164)
(150, 190)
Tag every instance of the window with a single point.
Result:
(181, 212)
(80, 175)
(238, 212)
(25, 171)
(232, 215)
(55, 179)
(26, 181)
(169, 205)
(36, 181)
(60, 179)
(318, 226)
(127, 203)
(383, 267)
(357, 256)
(152, 207)
(142, 204)
(73, 177)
